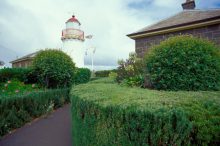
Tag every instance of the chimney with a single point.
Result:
(189, 5)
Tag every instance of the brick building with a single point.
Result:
(199, 23)
(24, 61)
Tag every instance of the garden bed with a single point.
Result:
(104, 113)
(16, 110)
(14, 87)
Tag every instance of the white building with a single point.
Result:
(73, 38)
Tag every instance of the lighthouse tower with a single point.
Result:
(73, 38)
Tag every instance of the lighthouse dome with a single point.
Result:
(73, 23)
(73, 19)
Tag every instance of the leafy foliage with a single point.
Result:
(104, 73)
(19, 109)
(14, 73)
(105, 113)
(113, 75)
(130, 71)
(31, 77)
(54, 68)
(82, 75)
(184, 63)
(13, 87)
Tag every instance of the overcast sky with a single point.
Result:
(30, 25)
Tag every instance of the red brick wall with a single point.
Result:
(211, 32)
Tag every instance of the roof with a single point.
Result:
(2, 63)
(26, 57)
(73, 19)
(184, 18)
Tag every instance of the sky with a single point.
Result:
(30, 25)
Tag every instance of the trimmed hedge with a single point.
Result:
(15, 111)
(104, 73)
(184, 63)
(82, 75)
(14, 73)
(108, 114)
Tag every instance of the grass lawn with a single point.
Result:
(101, 97)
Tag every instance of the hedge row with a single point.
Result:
(107, 114)
(17, 110)
(14, 73)
(82, 75)
(104, 73)
(28, 75)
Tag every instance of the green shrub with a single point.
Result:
(184, 63)
(13, 87)
(82, 75)
(104, 73)
(130, 71)
(17, 110)
(108, 114)
(14, 73)
(31, 77)
(113, 75)
(136, 81)
(54, 69)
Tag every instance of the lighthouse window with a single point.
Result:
(72, 25)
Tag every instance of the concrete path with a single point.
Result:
(54, 130)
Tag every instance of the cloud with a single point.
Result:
(29, 25)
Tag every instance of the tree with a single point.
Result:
(54, 68)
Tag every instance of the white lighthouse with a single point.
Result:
(73, 38)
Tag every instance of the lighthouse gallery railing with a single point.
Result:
(72, 34)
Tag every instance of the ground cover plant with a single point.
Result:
(12, 87)
(105, 113)
(16, 110)
(183, 63)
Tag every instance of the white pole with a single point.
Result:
(92, 62)
(93, 52)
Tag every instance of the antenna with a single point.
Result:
(71, 13)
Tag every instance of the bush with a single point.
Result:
(82, 75)
(13, 87)
(113, 75)
(104, 113)
(184, 63)
(54, 69)
(17, 110)
(104, 73)
(130, 71)
(14, 73)
(31, 77)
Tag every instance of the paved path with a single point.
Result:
(54, 130)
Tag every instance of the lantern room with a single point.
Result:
(72, 30)
(73, 23)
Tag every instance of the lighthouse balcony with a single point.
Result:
(71, 33)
